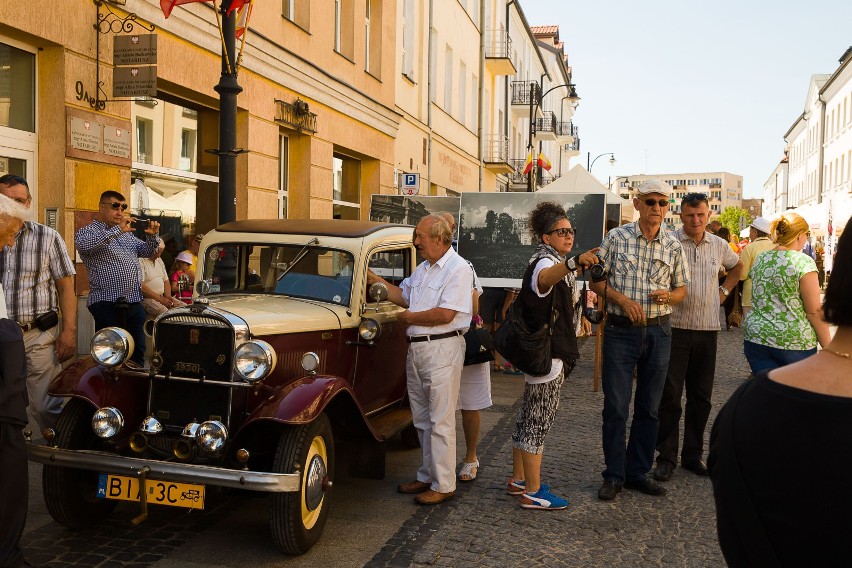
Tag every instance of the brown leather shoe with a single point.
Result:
(413, 487)
(433, 497)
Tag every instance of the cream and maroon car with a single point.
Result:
(283, 351)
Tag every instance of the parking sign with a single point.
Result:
(410, 184)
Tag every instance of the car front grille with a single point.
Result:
(194, 346)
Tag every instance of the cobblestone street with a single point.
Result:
(482, 526)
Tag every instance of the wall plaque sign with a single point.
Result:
(134, 81)
(137, 49)
(86, 135)
(116, 142)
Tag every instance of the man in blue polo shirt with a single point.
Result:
(111, 255)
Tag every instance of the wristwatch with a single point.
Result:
(571, 264)
(724, 290)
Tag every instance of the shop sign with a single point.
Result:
(130, 82)
(86, 135)
(116, 142)
(138, 49)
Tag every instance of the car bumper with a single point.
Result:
(165, 471)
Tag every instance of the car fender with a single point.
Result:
(301, 401)
(87, 380)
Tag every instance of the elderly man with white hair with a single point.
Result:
(156, 289)
(13, 408)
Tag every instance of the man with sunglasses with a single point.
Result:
(111, 254)
(648, 274)
(695, 330)
(37, 276)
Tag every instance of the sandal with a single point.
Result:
(510, 370)
(468, 471)
(497, 368)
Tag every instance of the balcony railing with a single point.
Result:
(521, 92)
(496, 149)
(572, 146)
(567, 129)
(547, 123)
(518, 175)
(498, 44)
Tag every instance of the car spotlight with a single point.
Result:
(310, 362)
(369, 329)
(211, 436)
(107, 422)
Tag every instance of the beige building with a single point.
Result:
(722, 189)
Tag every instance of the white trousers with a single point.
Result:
(434, 372)
(42, 367)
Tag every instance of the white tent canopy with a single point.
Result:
(578, 180)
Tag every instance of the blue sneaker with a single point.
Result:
(515, 487)
(543, 499)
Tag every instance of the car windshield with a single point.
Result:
(317, 273)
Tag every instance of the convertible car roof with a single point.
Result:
(323, 227)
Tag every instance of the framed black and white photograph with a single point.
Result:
(409, 209)
(494, 233)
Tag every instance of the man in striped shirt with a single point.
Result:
(37, 276)
(111, 255)
(695, 329)
(647, 275)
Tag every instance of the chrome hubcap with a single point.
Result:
(314, 480)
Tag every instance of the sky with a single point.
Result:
(693, 86)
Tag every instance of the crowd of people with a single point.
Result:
(661, 292)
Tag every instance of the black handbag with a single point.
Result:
(528, 350)
(478, 346)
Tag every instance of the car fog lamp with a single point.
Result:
(112, 346)
(254, 360)
(190, 430)
(369, 329)
(151, 426)
(107, 422)
(211, 436)
(310, 362)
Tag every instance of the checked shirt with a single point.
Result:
(112, 258)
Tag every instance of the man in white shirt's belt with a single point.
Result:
(438, 299)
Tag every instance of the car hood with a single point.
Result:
(268, 315)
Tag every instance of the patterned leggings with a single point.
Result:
(537, 413)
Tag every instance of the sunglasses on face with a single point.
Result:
(694, 198)
(563, 232)
(661, 202)
(116, 205)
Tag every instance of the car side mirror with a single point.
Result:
(378, 292)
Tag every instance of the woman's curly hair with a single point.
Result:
(787, 228)
(544, 216)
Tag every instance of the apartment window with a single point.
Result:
(463, 93)
(283, 175)
(344, 24)
(17, 88)
(409, 32)
(373, 38)
(448, 81)
(347, 187)
(144, 140)
(187, 150)
(298, 12)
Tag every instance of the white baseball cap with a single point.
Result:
(761, 224)
(184, 257)
(654, 186)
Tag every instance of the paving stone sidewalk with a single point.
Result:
(485, 527)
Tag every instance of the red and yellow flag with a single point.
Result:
(528, 165)
(168, 5)
(543, 162)
(243, 15)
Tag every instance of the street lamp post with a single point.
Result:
(589, 166)
(535, 102)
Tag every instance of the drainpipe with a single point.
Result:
(482, 30)
(429, 99)
(506, 106)
(821, 156)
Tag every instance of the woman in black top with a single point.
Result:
(781, 452)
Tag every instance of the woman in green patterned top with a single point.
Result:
(785, 322)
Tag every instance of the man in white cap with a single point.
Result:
(759, 242)
(648, 273)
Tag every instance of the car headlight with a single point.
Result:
(107, 422)
(211, 436)
(112, 346)
(369, 329)
(254, 360)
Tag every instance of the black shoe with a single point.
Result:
(697, 467)
(608, 490)
(664, 471)
(645, 486)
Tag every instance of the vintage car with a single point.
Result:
(283, 350)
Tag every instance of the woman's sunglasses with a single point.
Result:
(661, 202)
(116, 205)
(563, 232)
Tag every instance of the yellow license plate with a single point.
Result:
(119, 487)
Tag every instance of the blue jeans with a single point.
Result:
(645, 349)
(106, 315)
(765, 358)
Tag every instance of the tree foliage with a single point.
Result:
(730, 218)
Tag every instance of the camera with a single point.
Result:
(141, 223)
(597, 271)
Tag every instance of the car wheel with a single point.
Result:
(297, 518)
(409, 436)
(71, 494)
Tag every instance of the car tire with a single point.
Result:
(71, 494)
(297, 519)
(409, 436)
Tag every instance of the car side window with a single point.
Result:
(394, 265)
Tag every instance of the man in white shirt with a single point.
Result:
(759, 242)
(438, 298)
(156, 289)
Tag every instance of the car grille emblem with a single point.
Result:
(220, 360)
(194, 336)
